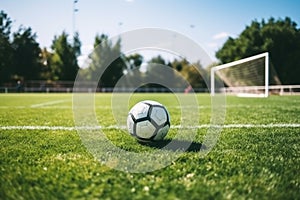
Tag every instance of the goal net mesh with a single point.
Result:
(246, 77)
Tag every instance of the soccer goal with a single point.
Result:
(248, 77)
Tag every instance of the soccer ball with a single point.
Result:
(148, 121)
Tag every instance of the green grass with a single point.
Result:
(246, 163)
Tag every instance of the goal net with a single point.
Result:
(248, 77)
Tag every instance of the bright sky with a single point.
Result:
(207, 22)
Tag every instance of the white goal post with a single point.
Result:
(243, 75)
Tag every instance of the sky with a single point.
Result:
(208, 23)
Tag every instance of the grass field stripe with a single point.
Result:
(228, 126)
(54, 128)
(72, 128)
(18, 107)
(47, 103)
(65, 128)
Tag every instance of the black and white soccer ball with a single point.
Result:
(148, 121)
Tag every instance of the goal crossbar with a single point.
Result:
(238, 62)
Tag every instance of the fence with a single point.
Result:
(68, 86)
(273, 89)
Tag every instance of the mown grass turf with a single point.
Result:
(246, 163)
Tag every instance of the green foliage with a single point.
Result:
(49, 71)
(246, 163)
(23, 59)
(280, 38)
(158, 60)
(6, 50)
(64, 57)
(135, 61)
(19, 58)
(5, 24)
(105, 62)
(26, 55)
(76, 45)
(193, 73)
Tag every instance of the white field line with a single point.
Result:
(52, 105)
(47, 103)
(226, 126)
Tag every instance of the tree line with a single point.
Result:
(22, 58)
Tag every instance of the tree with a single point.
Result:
(5, 48)
(106, 63)
(76, 44)
(134, 61)
(159, 73)
(49, 70)
(192, 72)
(158, 60)
(64, 60)
(26, 55)
(19, 58)
(280, 38)
(133, 74)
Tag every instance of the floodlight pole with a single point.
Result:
(74, 12)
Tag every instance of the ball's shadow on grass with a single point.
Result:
(176, 145)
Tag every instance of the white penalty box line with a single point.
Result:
(203, 126)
